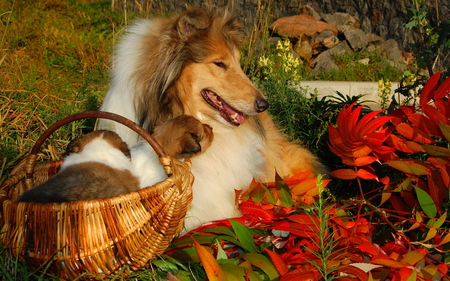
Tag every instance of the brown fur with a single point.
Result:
(184, 136)
(86, 180)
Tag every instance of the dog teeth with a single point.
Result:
(234, 116)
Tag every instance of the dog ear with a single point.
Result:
(73, 147)
(191, 22)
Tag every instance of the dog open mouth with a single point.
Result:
(230, 114)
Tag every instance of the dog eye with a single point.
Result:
(220, 64)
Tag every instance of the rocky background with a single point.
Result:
(371, 20)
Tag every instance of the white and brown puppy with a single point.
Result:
(98, 165)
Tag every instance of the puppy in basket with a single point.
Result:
(100, 164)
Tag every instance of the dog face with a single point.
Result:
(215, 86)
(218, 89)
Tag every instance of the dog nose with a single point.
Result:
(261, 105)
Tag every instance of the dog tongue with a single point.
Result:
(233, 114)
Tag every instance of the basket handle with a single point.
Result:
(31, 158)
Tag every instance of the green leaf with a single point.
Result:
(270, 198)
(245, 237)
(219, 230)
(410, 166)
(426, 203)
(436, 151)
(284, 193)
(441, 220)
(445, 129)
(263, 263)
(165, 265)
(221, 255)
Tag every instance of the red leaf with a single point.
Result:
(344, 174)
(436, 189)
(407, 109)
(434, 114)
(443, 107)
(398, 143)
(443, 90)
(255, 210)
(414, 133)
(278, 262)
(305, 219)
(425, 124)
(397, 203)
(367, 173)
(374, 124)
(429, 89)
(369, 248)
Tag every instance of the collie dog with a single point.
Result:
(190, 64)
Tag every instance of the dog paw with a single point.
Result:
(184, 136)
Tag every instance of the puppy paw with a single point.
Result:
(184, 136)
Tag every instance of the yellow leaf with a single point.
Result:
(430, 234)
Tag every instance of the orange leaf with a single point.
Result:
(384, 261)
(210, 264)
(278, 262)
(304, 186)
(359, 273)
(344, 174)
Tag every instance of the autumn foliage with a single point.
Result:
(292, 230)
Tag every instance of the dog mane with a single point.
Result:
(177, 42)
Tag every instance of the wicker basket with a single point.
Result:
(97, 236)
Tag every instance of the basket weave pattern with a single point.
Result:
(96, 236)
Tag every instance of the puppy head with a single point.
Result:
(184, 136)
(113, 139)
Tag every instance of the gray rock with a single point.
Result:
(356, 38)
(341, 49)
(342, 21)
(323, 63)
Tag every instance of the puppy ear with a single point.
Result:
(73, 147)
(191, 22)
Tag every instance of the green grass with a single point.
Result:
(55, 59)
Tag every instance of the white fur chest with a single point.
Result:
(231, 162)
